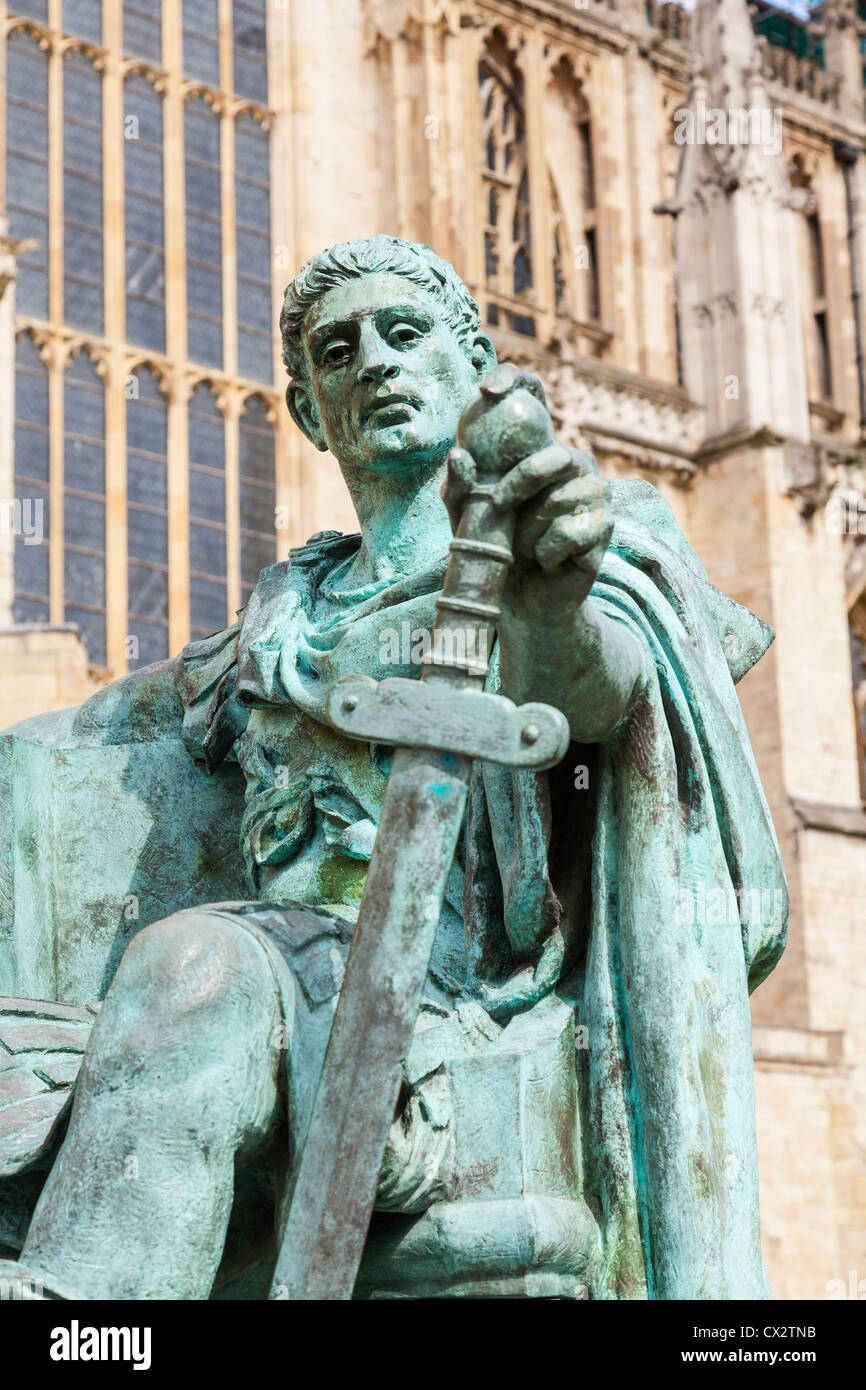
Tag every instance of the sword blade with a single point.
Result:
(335, 1189)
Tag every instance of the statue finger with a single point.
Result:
(534, 473)
(573, 537)
(585, 493)
(459, 481)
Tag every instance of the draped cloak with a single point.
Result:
(641, 879)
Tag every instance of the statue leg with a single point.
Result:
(179, 1080)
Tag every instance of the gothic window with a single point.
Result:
(30, 517)
(203, 234)
(84, 503)
(820, 337)
(83, 19)
(591, 306)
(27, 167)
(82, 194)
(142, 37)
(147, 519)
(573, 199)
(258, 494)
(507, 230)
(201, 46)
(207, 515)
(250, 49)
(255, 314)
(145, 234)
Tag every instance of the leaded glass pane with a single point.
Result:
(147, 520)
(204, 248)
(27, 167)
(92, 631)
(84, 579)
(207, 497)
(207, 606)
(207, 550)
(148, 589)
(145, 228)
(84, 521)
(83, 19)
(250, 49)
(141, 29)
(33, 9)
(257, 493)
(147, 536)
(201, 40)
(31, 452)
(31, 568)
(82, 193)
(26, 610)
(152, 639)
(146, 482)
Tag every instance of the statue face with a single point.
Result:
(389, 377)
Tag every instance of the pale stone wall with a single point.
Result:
(43, 668)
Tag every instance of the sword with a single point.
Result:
(439, 724)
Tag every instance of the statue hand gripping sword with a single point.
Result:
(439, 724)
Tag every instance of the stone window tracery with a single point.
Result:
(508, 252)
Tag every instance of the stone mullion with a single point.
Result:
(116, 578)
(535, 80)
(470, 55)
(176, 326)
(289, 474)
(436, 148)
(178, 509)
(402, 135)
(114, 246)
(57, 357)
(231, 405)
(228, 217)
(7, 362)
(229, 244)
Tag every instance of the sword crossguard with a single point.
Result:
(436, 715)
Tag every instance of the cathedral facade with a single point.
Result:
(662, 212)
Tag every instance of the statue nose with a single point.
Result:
(378, 371)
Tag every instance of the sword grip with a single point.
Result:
(506, 422)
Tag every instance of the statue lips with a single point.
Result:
(393, 404)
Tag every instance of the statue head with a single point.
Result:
(383, 344)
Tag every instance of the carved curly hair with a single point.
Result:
(373, 255)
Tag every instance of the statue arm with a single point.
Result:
(578, 658)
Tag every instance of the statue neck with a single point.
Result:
(404, 524)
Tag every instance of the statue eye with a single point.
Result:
(404, 333)
(336, 352)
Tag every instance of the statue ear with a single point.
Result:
(302, 409)
(482, 354)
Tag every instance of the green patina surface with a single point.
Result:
(192, 845)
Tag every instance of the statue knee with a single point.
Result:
(194, 963)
